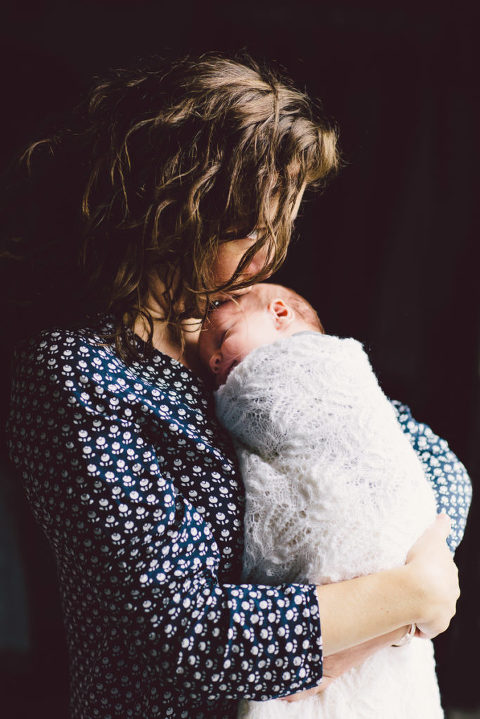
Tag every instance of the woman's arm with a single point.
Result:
(425, 591)
(145, 557)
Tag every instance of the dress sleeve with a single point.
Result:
(447, 475)
(93, 479)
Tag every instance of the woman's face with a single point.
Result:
(231, 252)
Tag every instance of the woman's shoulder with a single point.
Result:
(81, 344)
(91, 331)
(82, 358)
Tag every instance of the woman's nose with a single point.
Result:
(258, 261)
(215, 361)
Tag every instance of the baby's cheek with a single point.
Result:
(232, 347)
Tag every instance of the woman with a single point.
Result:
(181, 182)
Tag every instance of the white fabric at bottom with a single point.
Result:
(395, 683)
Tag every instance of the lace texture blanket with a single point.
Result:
(334, 490)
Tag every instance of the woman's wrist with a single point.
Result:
(407, 636)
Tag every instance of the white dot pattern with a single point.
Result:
(138, 491)
(445, 472)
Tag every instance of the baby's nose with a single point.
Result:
(215, 360)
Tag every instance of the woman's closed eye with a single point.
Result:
(218, 303)
(235, 235)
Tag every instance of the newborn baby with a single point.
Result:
(263, 315)
(333, 487)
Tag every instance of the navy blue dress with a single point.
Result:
(137, 488)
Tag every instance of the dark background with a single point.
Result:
(387, 254)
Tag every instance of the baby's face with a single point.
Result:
(233, 330)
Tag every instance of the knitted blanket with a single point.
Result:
(334, 490)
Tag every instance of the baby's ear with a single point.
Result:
(282, 313)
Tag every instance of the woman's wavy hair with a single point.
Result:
(160, 164)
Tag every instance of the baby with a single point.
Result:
(333, 486)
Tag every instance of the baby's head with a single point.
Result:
(259, 317)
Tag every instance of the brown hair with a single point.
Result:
(164, 161)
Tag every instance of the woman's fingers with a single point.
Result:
(309, 692)
(436, 577)
(439, 529)
(334, 665)
(444, 524)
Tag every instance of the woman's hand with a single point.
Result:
(337, 664)
(435, 575)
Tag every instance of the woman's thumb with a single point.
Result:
(444, 524)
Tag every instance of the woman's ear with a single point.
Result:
(282, 313)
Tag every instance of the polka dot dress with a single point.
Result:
(446, 474)
(137, 488)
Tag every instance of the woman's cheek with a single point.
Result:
(258, 262)
(222, 270)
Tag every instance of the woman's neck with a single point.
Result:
(162, 338)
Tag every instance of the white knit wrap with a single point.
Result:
(334, 490)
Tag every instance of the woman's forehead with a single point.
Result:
(226, 309)
(229, 309)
